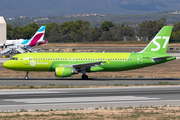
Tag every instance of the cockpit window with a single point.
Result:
(14, 58)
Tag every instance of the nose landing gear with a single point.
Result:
(26, 77)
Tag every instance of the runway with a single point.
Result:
(80, 82)
(87, 98)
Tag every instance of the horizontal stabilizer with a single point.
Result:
(157, 59)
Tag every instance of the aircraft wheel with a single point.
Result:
(85, 77)
(26, 78)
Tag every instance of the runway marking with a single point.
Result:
(106, 103)
(27, 92)
(80, 99)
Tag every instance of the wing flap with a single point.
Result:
(83, 66)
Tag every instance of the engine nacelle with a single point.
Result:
(63, 72)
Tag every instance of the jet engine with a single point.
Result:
(64, 71)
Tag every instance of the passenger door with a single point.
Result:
(26, 59)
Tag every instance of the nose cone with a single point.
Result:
(7, 64)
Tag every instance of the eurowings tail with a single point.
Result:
(37, 38)
(160, 42)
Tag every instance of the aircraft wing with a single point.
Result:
(6, 44)
(84, 66)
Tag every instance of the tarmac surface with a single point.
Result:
(87, 98)
(80, 82)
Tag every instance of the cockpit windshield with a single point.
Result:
(14, 58)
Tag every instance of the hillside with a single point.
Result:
(13, 8)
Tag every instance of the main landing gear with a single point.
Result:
(26, 77)
(84, 76)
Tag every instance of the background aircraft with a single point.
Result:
(67, 64)
(22, 45)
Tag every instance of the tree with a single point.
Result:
(93, 36)
(175, 35)
(78, 38)
(27, 33)
(113, 31)
(128, 31)
(9, 31)
(120, 33)
(106, 25)
(107, 35)
(69, 27)
(17, 33)
(176, 27)
(34, 26)
(51, 28)
(55, 37)
(151, 28)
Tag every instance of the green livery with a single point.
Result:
(67, 64)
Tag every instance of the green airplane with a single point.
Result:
(67, 64)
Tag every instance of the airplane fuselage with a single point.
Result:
(49, 61)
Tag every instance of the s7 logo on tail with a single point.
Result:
(157, 44)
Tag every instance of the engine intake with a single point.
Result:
(64, 71)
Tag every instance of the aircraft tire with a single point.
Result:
(85, 77)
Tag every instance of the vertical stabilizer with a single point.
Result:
(38, 36)
(160, 42)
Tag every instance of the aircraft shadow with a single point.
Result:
(93, 79)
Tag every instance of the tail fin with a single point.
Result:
(160, 42)
(38, 36)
